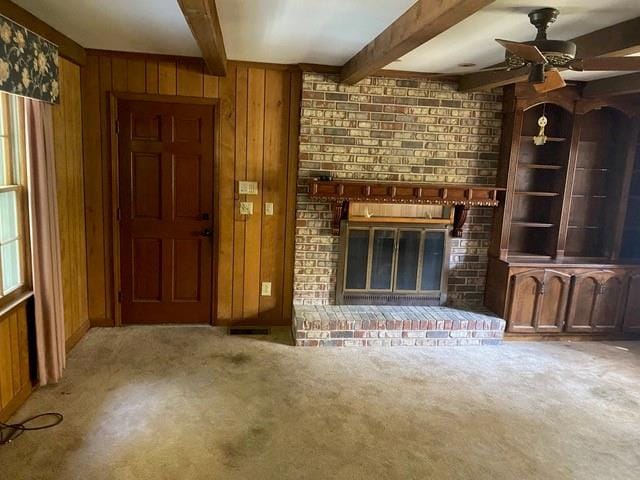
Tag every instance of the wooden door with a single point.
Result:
(608, 312)
(526, 287)
(632, 305)
(538, 301)
(595, 301)
(165, 153)
(584, 292)
(554, 298)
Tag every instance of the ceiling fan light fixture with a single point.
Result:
(558, 53)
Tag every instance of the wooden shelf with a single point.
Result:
(391, 192)
(549, 139)
(532, 224)
(588, 196)
(541, 166)
(587, 227)
(459, 196)
(417, 221)
(585, 169)
(538, 194)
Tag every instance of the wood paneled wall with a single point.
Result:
(67, 130)
(256, 140)
(15, 382)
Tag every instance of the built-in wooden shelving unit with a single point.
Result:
(565, 250)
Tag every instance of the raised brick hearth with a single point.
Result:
(369, 326)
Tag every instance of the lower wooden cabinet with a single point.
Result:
(538, 301)
(631, 316)
(596, 301)
(545, 300)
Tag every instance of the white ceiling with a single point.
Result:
(150, 26)
(319, 31)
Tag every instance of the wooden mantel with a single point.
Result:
(460, 196)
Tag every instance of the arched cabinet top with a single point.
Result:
(527, 97)
(630, 110)
(566, 105)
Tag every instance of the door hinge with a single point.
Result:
(119, 297)
(542, 288)
(117, 127)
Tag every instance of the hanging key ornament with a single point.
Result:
(541, 138)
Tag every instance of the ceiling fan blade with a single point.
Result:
(529, 52)
(605, 64)
(495, 68)
(553, 81)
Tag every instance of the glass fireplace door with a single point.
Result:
(408, 260)
(393, 262)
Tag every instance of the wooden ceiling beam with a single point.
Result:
(420, 23)
(612, 86)
(67, 48)
(616, 40)
(202, 18)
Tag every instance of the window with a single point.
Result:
(13, 201)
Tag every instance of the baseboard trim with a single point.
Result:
(73, 340)
(101, 322)
(564, 337)
(16, 402)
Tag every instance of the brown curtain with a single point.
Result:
(45, 242)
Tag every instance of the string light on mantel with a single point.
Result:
(541, 138)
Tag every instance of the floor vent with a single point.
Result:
(249, 331)
(391, 299)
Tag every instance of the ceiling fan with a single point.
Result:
(546, 56)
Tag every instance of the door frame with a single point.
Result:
(114, 96)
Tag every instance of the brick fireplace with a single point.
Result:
(393, 130)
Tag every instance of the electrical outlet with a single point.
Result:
(266, 289)
(268, 208)
(247, 188)
(246, 208)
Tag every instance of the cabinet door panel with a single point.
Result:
(584, 293)
(606, 315)
(632, 306)
(553, 306)
(525, 290)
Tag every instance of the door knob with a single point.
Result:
(206, 232)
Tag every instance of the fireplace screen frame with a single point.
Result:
(392, 296)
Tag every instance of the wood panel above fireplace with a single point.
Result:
(460, 196)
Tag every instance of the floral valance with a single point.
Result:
(28, 63)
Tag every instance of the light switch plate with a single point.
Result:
(268, 208)
(247, 188)
(246, 208)
(266, 289)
